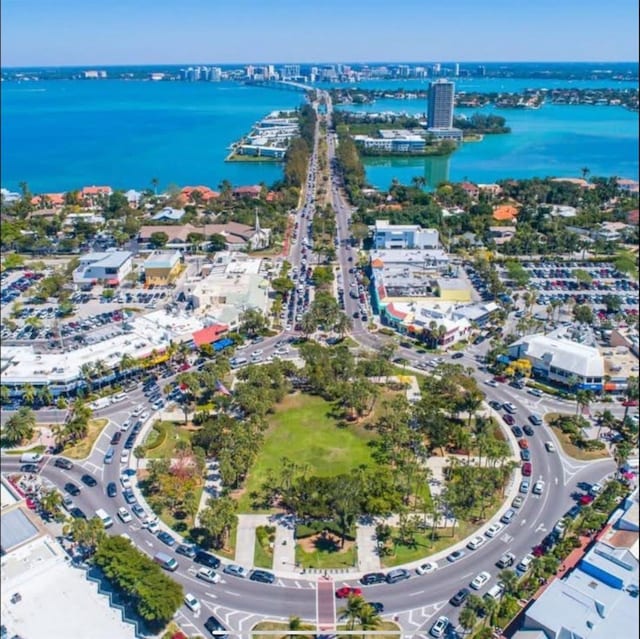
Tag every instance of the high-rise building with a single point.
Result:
(440, 105)
(456, 69)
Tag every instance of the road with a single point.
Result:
(240, 603)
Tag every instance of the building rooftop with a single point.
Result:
(15, 529)
(159, 259)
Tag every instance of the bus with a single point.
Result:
(104, 517)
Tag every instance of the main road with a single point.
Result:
(240, 603)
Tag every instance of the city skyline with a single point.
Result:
(36, 33)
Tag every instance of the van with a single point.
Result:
(104, 517)
(525, 564)
(30, 458)
(108, 457)
(495, 591)
(166, 561)
(237, 362)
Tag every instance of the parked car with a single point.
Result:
(373, 578)
(88, 480)
(207, 559)
(456, 555)
(480, 580)
(506, 560)
(493, 530)
(214, 627)
(209, 575)
(112, 489)
(439, 627)
(262, 576)
(61, 462)
(396, 575)
(72, 489)
(475, 543)
(427, 568)
(186, 550)
(460, 596)
(192, 603)
(236, 571)
(538, 487)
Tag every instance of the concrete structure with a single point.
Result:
(405, 236)
(559, 359)
(440, 104)
(394, 141)
(234, 285)
(453, 289)
(110, 267)
(160, 268)
(599, 598)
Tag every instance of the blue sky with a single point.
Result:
(82, 32)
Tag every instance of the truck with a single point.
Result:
(166, 561)
(102, 402)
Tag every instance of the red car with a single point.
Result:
(526, 469)
(523, 443)
(348, 591)
(630, 402)
(585, 499)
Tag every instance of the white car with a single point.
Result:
(439, 627)
(492, 383)
(475, 543)
(425, 569)
(550, 447)
(208, 574)
(153, 527)
(192, 603)
(125, 425)
(124, 456)
(538, 487)
(480, 580)
(525, 564)
(257, 352)
(126, 482)
(494, 529)
(124, 515)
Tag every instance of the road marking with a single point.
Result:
(523, 522)
(234, 594)
(415, 594)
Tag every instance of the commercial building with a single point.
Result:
(558, 358)
(440, 104)
(393, 141)
(235, 283)
(161, 268)
(404, 236)
(599, 598)
(110, 268)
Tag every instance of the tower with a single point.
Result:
(440, 105)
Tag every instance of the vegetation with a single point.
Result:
(19, 428)
(154, 595)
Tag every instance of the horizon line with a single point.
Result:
(315, 62)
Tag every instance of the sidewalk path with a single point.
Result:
(368, 557)
(246, 537)
(284, 549)
(212, 487)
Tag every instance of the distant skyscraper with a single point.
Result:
(440, 106)
(456, 70)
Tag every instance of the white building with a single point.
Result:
(404, 236)
(110, 267)
(561, 360)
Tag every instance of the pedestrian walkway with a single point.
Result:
(367, 545)
(246, 536)
(284, 549)
(212, 487)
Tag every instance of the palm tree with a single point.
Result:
(19, 427)
(510, 581)
(28, 393)
(468, 619)
(369, 618)
(343, 324)
(351, 612)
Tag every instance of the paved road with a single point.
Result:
(240, 603)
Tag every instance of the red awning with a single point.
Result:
(113, 282)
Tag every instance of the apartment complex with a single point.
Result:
(404, 236)
(440, 105)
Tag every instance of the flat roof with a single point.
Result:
(15, 529)
(57, 599)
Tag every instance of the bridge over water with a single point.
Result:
(282, 85)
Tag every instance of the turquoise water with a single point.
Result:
(61, 135)
(554, 140)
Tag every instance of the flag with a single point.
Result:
(222, 388)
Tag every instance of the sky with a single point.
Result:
(112, 32)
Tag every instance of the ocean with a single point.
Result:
(61, 135)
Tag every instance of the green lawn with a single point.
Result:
(303, 430)
(262, 558)
(162, 440)
(326, 558)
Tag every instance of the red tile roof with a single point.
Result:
(57, 199)
(96, 190)
(505, 212)
(209, 334)
(395, 312)
(205, 192)
(632, 217)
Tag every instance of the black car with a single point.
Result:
(117, 436)
(72, 489)
(29, 468)
(517, 431)
(495, 405)
(76, 513)
(112, 490)
(166, 538)
(457, 355)
(528, 430)
(459, 597)
(130, 441)
(372, 578)
(215, 627)
(377, 606)
(186, 550)
(262, 576)
(61, 462)
(574, 511)
(88, 480)
(207, 559)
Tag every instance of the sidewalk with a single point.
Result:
(212, 487)
(246, 537)
(284, 547)
(367, 545)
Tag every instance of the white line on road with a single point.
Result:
(234, 594)
(414, 594)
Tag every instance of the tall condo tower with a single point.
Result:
(440, 106)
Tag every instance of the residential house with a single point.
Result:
(505, 213)
(169, 214)
(92, 195)
(205, 192)
(472, 190)
(247, 191)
